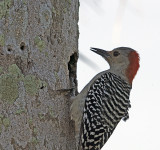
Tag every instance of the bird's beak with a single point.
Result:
(101, 52)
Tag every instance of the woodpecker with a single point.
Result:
(104, 101)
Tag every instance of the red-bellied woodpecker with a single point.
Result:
(104, 101)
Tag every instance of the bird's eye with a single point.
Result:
(116, 53)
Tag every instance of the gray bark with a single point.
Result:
(38, 56)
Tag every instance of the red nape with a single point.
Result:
(133, 65)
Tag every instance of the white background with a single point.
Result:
(108, 24)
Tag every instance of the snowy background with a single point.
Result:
(108, 24)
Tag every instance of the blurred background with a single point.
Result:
(108, 24)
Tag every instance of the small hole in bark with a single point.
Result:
(9, 49)
(42, 87)
(22, 46)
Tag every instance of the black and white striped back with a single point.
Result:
(107, 102)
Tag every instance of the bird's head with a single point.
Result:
(123, 61)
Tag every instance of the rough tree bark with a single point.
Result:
(38, 56)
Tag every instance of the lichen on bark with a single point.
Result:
(4, 8)
(9, 84)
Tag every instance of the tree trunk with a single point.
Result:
(38, 56)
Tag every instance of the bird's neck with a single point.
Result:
(133, 66)
(120, 72)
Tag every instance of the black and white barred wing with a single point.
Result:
(104, 108)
